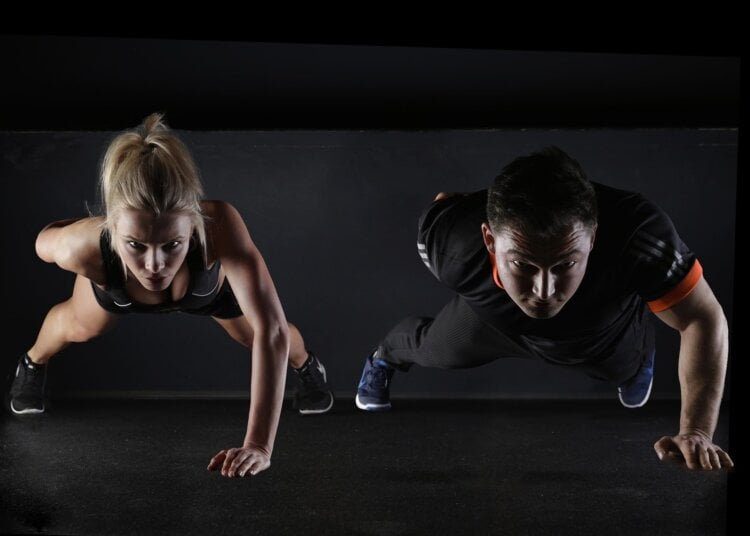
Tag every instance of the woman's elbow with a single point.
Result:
(43, 249)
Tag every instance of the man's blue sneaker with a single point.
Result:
(373, 391)
(636, 391)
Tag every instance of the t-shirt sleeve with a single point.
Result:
(449, 239)
(663, 270)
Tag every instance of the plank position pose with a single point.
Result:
(546, 264)
(160, 248)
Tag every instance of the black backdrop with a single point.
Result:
(330, 151)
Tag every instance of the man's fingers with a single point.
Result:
(704, 457)
(726, 461)
(696, 453)
(689, 452)
(714, 459)
(663, 446)
(667, 450)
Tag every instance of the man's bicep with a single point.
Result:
(699, 305)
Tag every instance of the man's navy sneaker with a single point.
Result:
(636, 391)
(373, 391)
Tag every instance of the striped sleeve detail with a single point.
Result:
(422, 249)
(678, 293)
(654, 251)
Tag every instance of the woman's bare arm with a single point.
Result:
(73, 245)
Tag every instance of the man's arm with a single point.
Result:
(702, 369)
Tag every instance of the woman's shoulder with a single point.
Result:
(221, 217)
(84, 235)
(85, 244)
(74, 245)
(213, 208)
(226, 229)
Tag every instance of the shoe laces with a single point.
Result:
(311, 378)
(31, 377)
(376, 377)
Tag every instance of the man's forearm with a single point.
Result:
(702, 372)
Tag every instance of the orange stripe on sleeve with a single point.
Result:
(680, 292)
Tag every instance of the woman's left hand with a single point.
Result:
(240, 461)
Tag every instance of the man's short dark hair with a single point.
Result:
(541, 195)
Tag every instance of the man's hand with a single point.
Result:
(241, 461)
(695, 449)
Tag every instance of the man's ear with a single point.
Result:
(489, 238)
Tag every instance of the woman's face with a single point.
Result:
(153, 246)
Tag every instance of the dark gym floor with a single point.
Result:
(428, 467)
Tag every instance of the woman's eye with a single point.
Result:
(134, 245)
(172, 245)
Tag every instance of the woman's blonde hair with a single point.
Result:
(149, 168)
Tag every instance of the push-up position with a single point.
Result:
(546, 264)
(158, 248)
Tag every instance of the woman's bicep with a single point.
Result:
(254, 289)
(246, 269)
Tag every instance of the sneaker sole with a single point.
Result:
(370, 406)
(642, 402)
(316, 411)
(30, 411)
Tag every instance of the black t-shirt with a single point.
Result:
(638, 263)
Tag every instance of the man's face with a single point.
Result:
(540, 275)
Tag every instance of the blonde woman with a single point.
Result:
(160, 247)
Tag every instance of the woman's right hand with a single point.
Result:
(241, 461)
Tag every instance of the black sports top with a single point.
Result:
(638, 263)
(203, 287)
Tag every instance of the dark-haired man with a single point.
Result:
(546, 264)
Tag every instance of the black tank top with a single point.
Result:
(203, 286)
